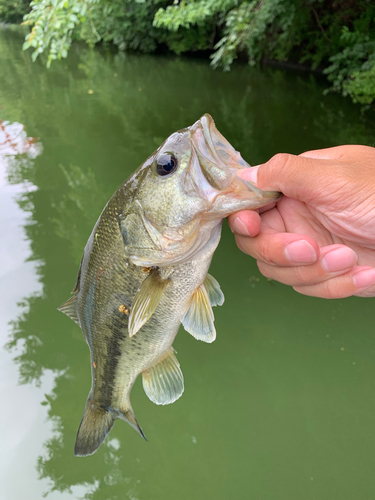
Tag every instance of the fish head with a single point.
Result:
(183, 192)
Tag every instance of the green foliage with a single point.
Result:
(53, 24)
(361, 85)
(126, 23)
(322, 33)
(246, 27)
(198, 37)
(188, 13)
(12, 11)
(193, 25)
(261, 28)
(352, 70)
(338, 36)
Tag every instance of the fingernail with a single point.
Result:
(253, 174)
(250, 174)
(300, 252)
(364, 279)
(339, 259)
(240, 227)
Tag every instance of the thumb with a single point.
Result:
(298, 177)
(303, 178)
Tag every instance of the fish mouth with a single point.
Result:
(219, 163)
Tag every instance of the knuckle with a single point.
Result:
(281, 161)
(245, 245)
(370, 292)
(264, 250)
(335, 289)
(265, 269)
(280, 158)
(277, 169)
(302, 275)
(331, 290)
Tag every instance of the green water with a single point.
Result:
(281, 406)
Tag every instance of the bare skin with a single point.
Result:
(320, 237)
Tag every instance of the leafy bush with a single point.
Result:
(337, 35)
(361, 85)
(332, 34)
(53, 24)
(352, 70)
(265, 28)
(127, 23)
(12, 11)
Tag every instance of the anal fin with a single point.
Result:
(146, 301)
(70, 308)
(126, 413)
(199, 319)
(164, 383)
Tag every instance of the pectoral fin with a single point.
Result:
(70, 308)
(214, 292)
(199, 319)
(146, 301)
(164, 383)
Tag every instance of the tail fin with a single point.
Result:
(95, 426)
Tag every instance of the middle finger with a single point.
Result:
(333, 261)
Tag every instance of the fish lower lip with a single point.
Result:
(263, 194)
(235, 199)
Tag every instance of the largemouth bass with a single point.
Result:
(144, 272)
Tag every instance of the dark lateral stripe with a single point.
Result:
(117, 325)
(89, 310)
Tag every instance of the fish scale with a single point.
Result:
(144, 272)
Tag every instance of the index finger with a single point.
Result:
(276, 247)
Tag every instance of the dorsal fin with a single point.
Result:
(164, 383)
(146, 300)
(214, 292)
(199, 319)
(70, 308)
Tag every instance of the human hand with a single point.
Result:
(320, 237)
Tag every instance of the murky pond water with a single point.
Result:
(281, 406)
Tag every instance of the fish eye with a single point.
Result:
(166, 164)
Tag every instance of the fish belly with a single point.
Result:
(155, 338)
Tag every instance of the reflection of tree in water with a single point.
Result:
(44, 339)
(137, 103)
(48, 341)
(14, 142)
(16, 147)
(84, 197)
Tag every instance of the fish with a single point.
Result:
(144, 271)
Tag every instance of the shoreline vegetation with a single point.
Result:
(335, 37)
